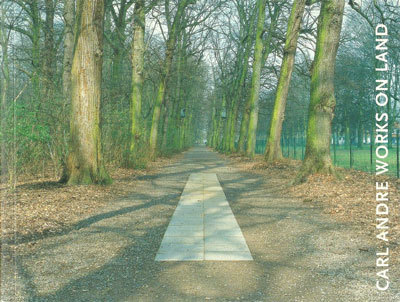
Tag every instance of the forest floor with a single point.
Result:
(41, 205)
(350, 198)
(311, 242)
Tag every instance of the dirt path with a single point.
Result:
(299, 253)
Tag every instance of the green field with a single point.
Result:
(361, 157)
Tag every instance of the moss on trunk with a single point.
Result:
(322, 104)
(255, 81)
(137, 81)
(273, 150)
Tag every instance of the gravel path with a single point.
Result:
(299, 253)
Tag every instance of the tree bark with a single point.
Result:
(138, 48)
(273, 150)
(85, 164)
(255, 81)
(317, 158)
(69, 41)
(69, 21)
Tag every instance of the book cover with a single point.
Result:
(200, 150)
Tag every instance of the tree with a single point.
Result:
(255, 81)
(117, 40)
(178, 104)
(85, 164)
(322, 103)
(246, 41)
(169, 55)
(137, 76)
(49, 64)
(274, 12)
(273, 149)
(4, 87)
(69, 43)
(69, 21)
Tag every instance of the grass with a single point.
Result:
(361, 157)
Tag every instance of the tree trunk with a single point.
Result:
(232, 128)
(69, 41)
(273, 150)
(4, 86)
(85, 164)
(239, 94)
(213, 129)
(156, 119)
(69, 13)
(243, 129)
(347, 134)
(227, 129)
(180, 97)
(188, 137)
(255, 81)
(35, 25)
(138, 47)
(360, 132)
(178, 106)
(216, 124)
(165, 77)
(165, 124)
(49, 51)
(317, 158)
(116, 71)
(221, 124)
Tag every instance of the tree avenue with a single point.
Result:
(87, 85)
